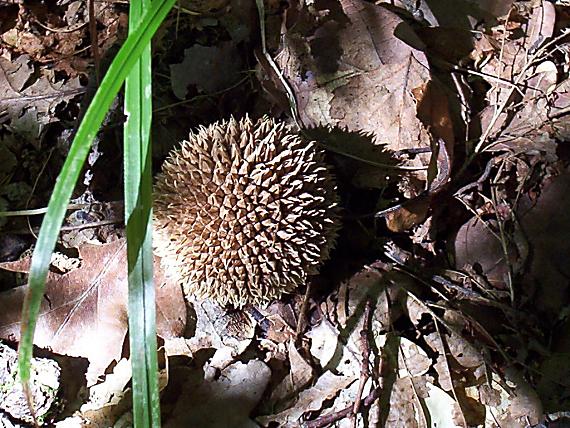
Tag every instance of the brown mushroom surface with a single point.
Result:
(244, 211)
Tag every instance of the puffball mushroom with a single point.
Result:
(244, 211)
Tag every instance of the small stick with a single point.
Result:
(364, 365)
(68, 228)
(38, 211)
(94, 38)
(302, 321)
(326, 420)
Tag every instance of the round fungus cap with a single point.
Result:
(244, 211)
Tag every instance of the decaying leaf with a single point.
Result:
(44, 386)
(326, 387)
(527, 89)
(355, 65)
(224, 402)
(30, 101)
(84, 312)
(199, 68)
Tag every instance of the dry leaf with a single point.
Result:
(402, 413)
(456, 14)
(108, 401)
(300, 375)
(224, 402)
(526, 92)
(441, 408)
(326, 387)
(476, 245)
(354, 65)
(31, 102)
(84, 312)
(218, 329)
(200, 65)
(546, 226)
(44, 386)
(412, 360)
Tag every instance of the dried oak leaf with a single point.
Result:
(355, 65)
(84, 312)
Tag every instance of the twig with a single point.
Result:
(364, 364)
(94, 38)
(288, 90)
(479, 181)
(503, 236)
(326, 420)
(522, 74)
(69, 228)
(302, 321)
(376, 164)
(499, 80)
(38, 211)
(198, 97)
(62, 30)
(36, 181)
(32, 98)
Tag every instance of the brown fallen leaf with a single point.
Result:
(30, 101)
(354, 65)
(527, 103)
(84, 312)
(412, 213)
(543, 231)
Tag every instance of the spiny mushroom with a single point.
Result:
(244, 211)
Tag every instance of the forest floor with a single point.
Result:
(446, 302)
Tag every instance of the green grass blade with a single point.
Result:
(138, 220)
(114, 78)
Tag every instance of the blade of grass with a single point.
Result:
(114, 78)
(138, 220)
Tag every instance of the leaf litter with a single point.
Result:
(445, 303)
(84, 312)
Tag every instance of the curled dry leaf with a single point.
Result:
(84, 312)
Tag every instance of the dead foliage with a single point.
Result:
(445, 302)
